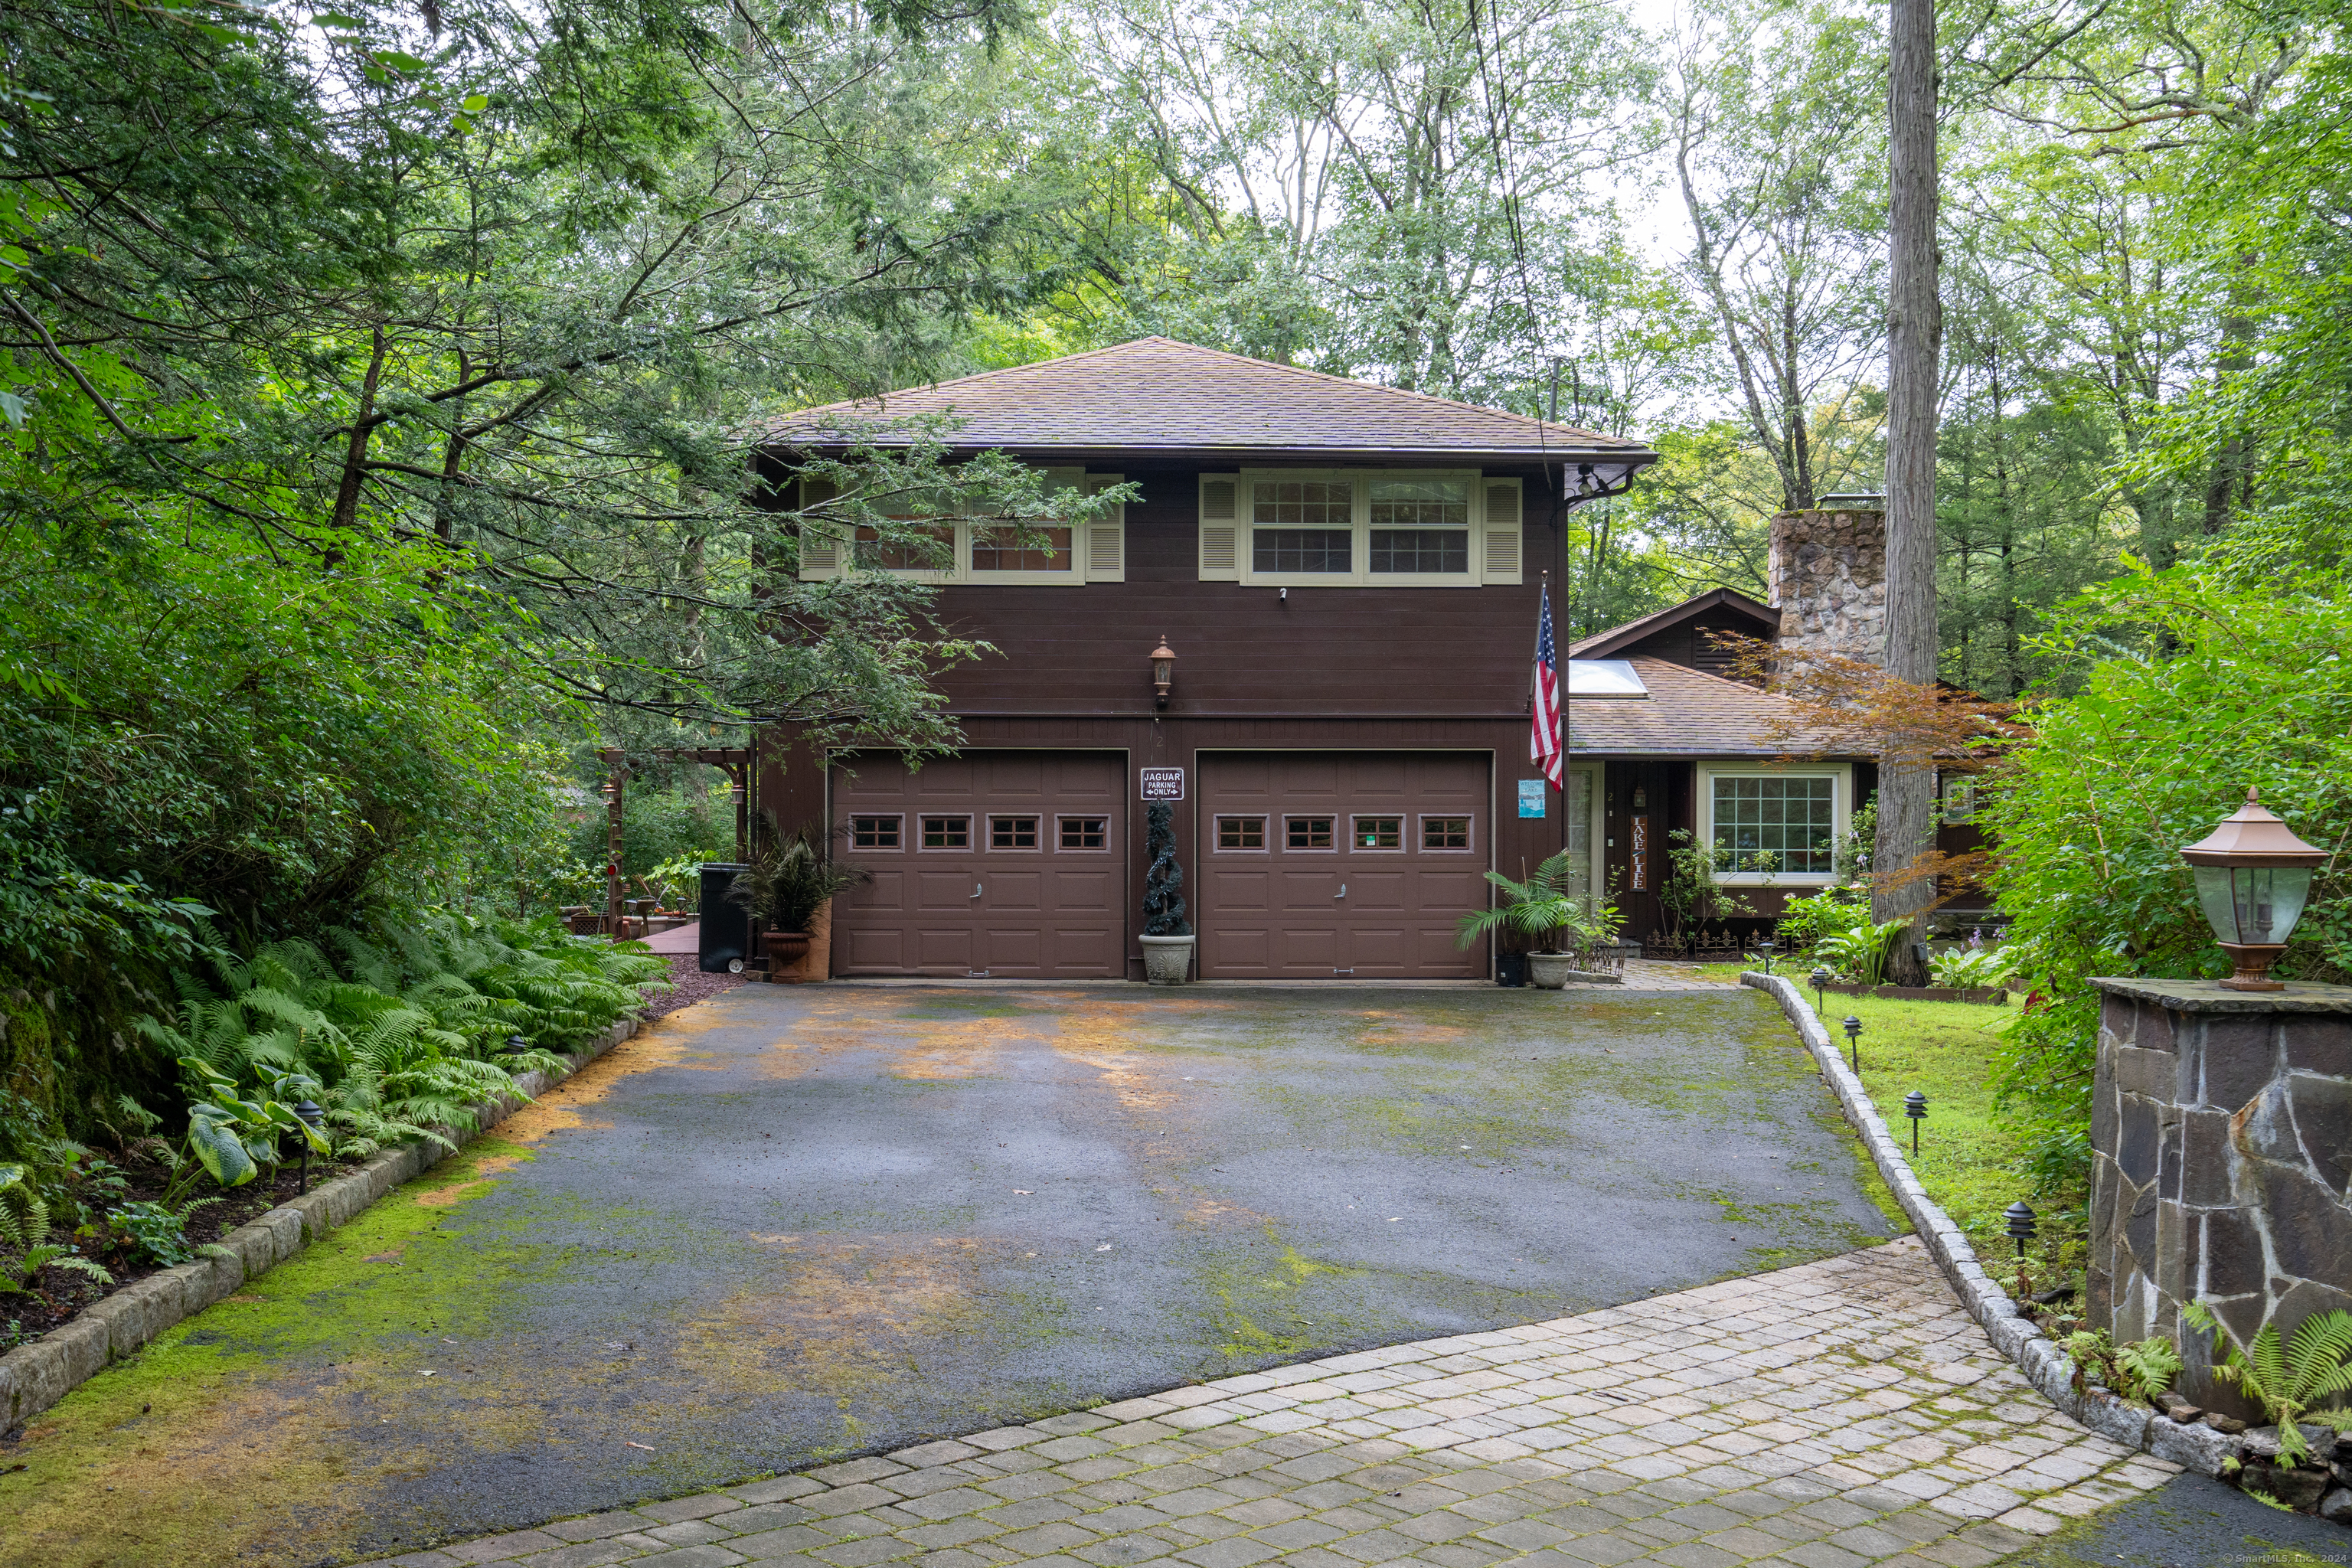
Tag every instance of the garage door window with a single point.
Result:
(1379, 833)
(1012, 833)
(1307, 833)
(874, 833)
(1086, 833)
(1445, 834)
(947, 833)
(1240, 834)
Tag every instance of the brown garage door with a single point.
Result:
(995, 863)
(1322, 863)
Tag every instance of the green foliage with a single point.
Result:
(1163, 878)
(1833, 912)
(2295, 1383)
(17, 1278)
(1863, 952)
(148, 1232)
(403, 1035)
(1971, 968)
(1690, 894)
(2192, 688)
(2140, 1371)
(790, 880)
(1551, 901)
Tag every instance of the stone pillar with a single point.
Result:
(2221, 1142)
(1829, 581)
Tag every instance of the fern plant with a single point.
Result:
(2292, 1383)
(17, 1278)
(2140, 1369)
(1539, 908)
(24, 1217)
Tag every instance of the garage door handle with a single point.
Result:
(1342, 892)
(975, 889)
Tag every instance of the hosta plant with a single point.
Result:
(1971, 968)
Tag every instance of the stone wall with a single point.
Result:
(2221, 1139)
(1829, 582)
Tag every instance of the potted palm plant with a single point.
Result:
(1547, 910)
(783, 887)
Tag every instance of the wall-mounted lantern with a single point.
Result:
(2252, 877)
(1163, 672)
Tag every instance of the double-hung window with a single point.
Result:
(963, 537)
(1365, 527)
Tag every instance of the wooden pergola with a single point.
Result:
(735, 761)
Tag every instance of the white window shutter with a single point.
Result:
(820, 551)
(1106, 545)
(1505, 528)
(1220, 528)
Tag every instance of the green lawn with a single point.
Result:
(1966, 1160)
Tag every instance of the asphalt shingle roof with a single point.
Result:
(1689, 713)
(1158, 394)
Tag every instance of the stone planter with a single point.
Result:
(1550, 971)
(1167, 960)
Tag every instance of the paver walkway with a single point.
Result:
(1835, 1414)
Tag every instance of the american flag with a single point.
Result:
(1544, 745)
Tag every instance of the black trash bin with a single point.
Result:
(725, 931)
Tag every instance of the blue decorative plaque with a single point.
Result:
(1531, 797)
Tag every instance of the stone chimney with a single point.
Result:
(1829, 576)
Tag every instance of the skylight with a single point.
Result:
(1604, 678)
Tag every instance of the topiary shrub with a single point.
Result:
(1163, 884)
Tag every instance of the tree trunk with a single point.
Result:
(1915, 329)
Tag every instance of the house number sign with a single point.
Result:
(1641, 854)
(1163, 783)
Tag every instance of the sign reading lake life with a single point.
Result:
(1163, 783)
(1641, 854)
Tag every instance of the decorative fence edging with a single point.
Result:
(37, 1376)
(2196, 1448)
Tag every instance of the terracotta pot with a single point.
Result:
(783, 949)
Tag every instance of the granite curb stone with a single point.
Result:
(37, 1376)
(2197, 1448)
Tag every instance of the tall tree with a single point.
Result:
(1913, 344)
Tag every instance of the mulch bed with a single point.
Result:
(59, 1293)
(691, 985)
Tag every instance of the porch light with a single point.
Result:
(1163, 672)
(2253, 876)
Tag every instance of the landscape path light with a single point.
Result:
(1853, 1041)
(1764, 946)
(1914, 1106)
(2020, 1215)
(316, 1120)
(1821, 979)
(2253, 876)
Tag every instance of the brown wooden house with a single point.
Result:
(1349, 576)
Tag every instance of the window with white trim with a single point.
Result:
(932, 546)
(1771, 824)
(1379, 527)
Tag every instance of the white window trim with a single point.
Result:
(1596, 869)
(1077, 572)
(1841, 814)
(1359, 556)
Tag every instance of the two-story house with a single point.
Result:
(1348, 578)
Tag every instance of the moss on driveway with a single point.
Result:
(788, 1224)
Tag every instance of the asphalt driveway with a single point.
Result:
(786, 1225)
